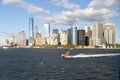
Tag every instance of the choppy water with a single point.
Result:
(46, 64)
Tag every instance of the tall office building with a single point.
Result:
(69, 36)
(97, 34)
(81, 37)
(47, 33)
(74, 35)
(47, 30)
(109, 33)
(31, 32)
(21, 39)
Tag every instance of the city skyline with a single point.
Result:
(61, 14)
(99, 35)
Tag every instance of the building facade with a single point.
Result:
(109, 33)
(81, 37)
(97, 34)
(63, 37)
(69, 37)
(21, 39)
(54, 39)
(36, 32)
(88, 35)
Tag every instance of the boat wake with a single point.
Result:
(94, 55)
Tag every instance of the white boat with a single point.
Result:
(4, 47)
(66, 55)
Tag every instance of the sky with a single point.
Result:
(61, 14)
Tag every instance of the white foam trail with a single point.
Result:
(94, 55)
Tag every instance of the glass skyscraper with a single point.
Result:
(31, 31)
(47, 32)
(74, 35)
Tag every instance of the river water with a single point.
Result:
(47, 64)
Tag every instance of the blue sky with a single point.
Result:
(61, 14)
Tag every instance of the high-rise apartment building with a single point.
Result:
(63, 37)
(97, 34)
(31, 31)
(54, 39)
(88, 35)
(109, 33)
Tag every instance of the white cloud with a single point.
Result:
(29, 7)
(11, 1)
(97, 10)
(99, 4)
(61, 19)
(65, 4)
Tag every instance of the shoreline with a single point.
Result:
(66, 48)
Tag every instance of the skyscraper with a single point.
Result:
(47, 32)
(97, 34)
(109, 33)
(31, 31)
(69, 36)
(74, 35)
(81, 37)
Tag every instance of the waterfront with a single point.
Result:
(47, 64)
